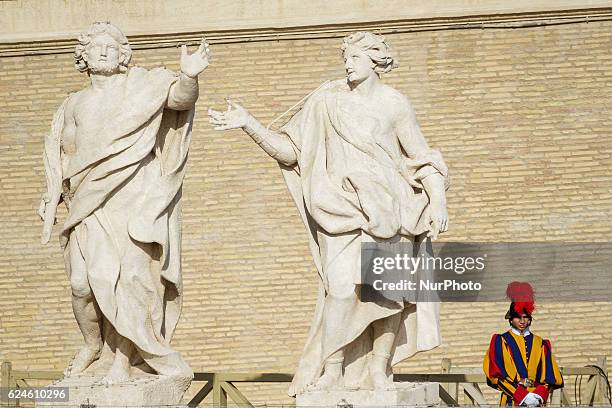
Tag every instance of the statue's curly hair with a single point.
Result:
(97, 28)
(375, 47)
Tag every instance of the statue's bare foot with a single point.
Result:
(381, 381)
(82, 359)
(118, 373)
(326, 382)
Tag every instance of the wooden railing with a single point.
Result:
(222, 385)
(454, 382)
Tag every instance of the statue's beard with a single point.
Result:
(103, 68)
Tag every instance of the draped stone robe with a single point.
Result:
(124, 188)
(351, 185)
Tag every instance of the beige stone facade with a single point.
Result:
(522, 116)
(45, 19)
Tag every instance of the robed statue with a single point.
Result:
(116, 157)
(359, 170)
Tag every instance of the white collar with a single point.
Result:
(518, 333)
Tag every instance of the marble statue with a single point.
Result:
(359, 170)
(116, 157)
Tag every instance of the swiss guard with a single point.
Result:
(519, 363)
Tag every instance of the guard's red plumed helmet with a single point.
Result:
(521, 295)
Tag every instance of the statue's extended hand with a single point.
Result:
(48, 216)
(192, 65)
(233, 118)
(43, 206)
(438, 219)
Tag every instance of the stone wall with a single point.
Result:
(521, 116)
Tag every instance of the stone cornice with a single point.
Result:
(60, 45)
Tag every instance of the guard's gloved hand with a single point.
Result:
(540, 399)
(532, 400)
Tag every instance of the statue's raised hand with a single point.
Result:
(233, 118)
(192, 65)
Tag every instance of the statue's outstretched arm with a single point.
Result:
(277, 145)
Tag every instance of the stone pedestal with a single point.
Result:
(405, 395)
(142, 391)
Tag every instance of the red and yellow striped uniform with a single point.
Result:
(517, 365)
